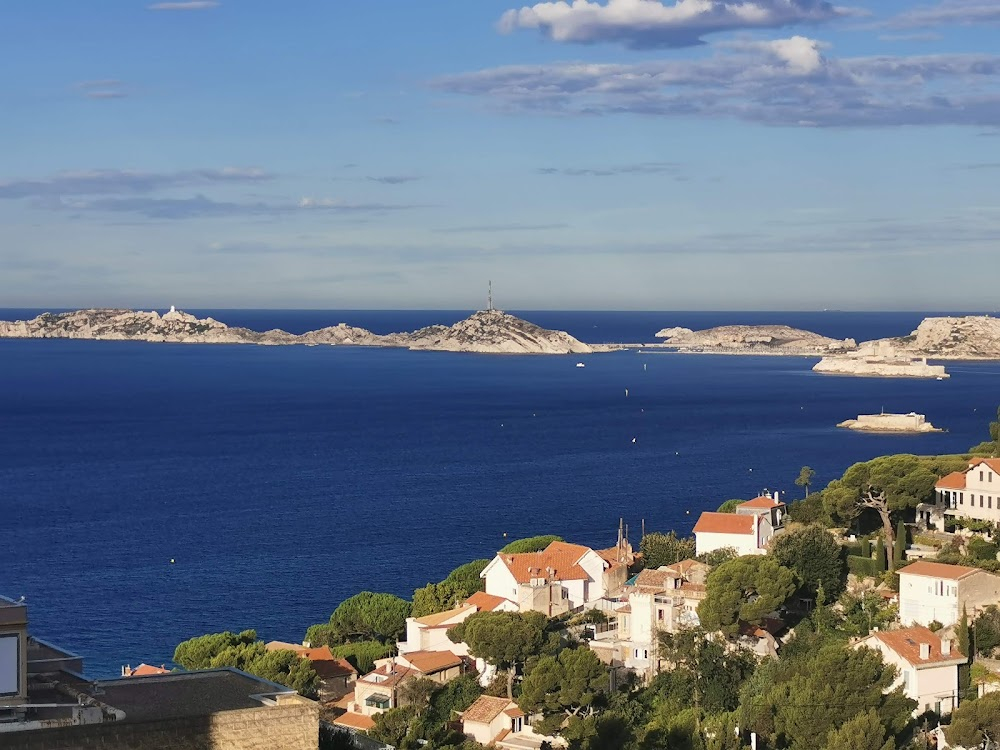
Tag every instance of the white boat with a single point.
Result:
(580, 364)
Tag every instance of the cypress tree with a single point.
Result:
(880, 554)
(866, 548)
(962, 633)
(899, 548)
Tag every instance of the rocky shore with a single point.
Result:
(762, 339)
(864, 367)
(484, 332)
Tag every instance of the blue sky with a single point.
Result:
(596, 154)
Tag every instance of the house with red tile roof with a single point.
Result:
(499, 722)
(973, 493)
(926, 666)
(336, 675)
(937, 592)
(748, 531)
(380, 689)
(560, 578)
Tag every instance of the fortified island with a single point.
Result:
(903, 423)
(486, 332)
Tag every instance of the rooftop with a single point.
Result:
(725, 523)
(937, 570)
(439, 618)
(557, 562)
(953, 481)
(355, 721)
(429, 662)
(487, 708)
(762, 502)
(486, 602)
(907, 641)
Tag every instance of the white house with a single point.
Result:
(936, 592)
(926, 665)
(971, 493)
(560, 578)
(498, 722)
(748, 530)
(430, 633)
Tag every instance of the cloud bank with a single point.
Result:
(949, 13)
(779, 82)
(650, 24)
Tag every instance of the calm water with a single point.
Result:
(284, 479)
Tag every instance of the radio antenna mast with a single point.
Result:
(489, 297)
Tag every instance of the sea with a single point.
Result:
(154, 492)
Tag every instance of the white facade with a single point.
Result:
(973, 493)
(430, 633)
(712, 533)
(927, 670)
(935, 592)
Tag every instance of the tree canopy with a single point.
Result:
(744, 590)
(570, 684)
(504, 639)
(245, 652)
(974, 720)
(887, 485)
(531, 544)
(805, 478)
(461, 583)
(665, 549)
(814, 556)
(370, 616)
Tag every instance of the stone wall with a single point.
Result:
(292, 726)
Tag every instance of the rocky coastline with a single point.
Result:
(484, 332)
(760, 339)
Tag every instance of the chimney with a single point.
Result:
(925, 651)
(945, 647)
(126, 669)
(776, 501)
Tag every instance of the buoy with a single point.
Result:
(687, 512)
(171, 561)
(505, 535)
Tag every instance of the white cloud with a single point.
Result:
(949, 13)
(780, 82)
(650, 23)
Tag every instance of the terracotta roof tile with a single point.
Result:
(429, 662)
(725, 523)
(953, 481)
(147, 670)
(514, 712)
(355, 721)
(906, 642)
(762, 502)
(655, 580)
(323, 661)
(559, 557)
(993, 463)
(486, 602)
(486, 709)
(439, 618)
(937, 570)
(386, 677)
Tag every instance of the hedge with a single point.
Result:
(864, 566)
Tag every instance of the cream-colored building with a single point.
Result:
(498, 722)
(560, 578)
(662, 600)
(926, 666)
(430, 633)
(936, 592)
(748, 531)
(381, 689)
(971, 493)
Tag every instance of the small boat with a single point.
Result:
(580, 364)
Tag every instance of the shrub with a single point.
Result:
(980, 549)
(531, 544)
(865, 567)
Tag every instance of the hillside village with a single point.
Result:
(864, 615)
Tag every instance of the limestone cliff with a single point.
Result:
(867, 367)
(489, 332)
(968, 337)
(762, 339)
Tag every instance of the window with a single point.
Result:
(645, 653)
(659, 614)
(961, 498)
(937, 707)
(989, 476)
(980, 476)
(989, 501)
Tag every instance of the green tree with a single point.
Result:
(371, 616)
(902, 542)
(702, 668)
(531, 544)
(866, 548)
(805, 478)
(815, 557)
(665, 549)
(863, 732)
(974, 721)
(393, 725)
(744, 590)
(466, 577)
(718, 556)
(286, 668)
(887, 485)
(418, 693)
(571, 684)
(504, 639)
(986, 630)
(880, 554)
(455, 696)
(362, 654)
(197, 653)
(436, 597)
(730, 505)
(981, 550)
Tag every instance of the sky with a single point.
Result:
(592, 154)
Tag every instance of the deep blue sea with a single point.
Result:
(283, 479)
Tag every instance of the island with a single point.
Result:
(880, 367)
(485, 332)
(903, 423)
(759, 339)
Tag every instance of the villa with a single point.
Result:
(748, 531)
(936, 592)
(499, 722)
(973, 493)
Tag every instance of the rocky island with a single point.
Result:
(880, 367)
(902, 423)
(485, 332)
(759, 339)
